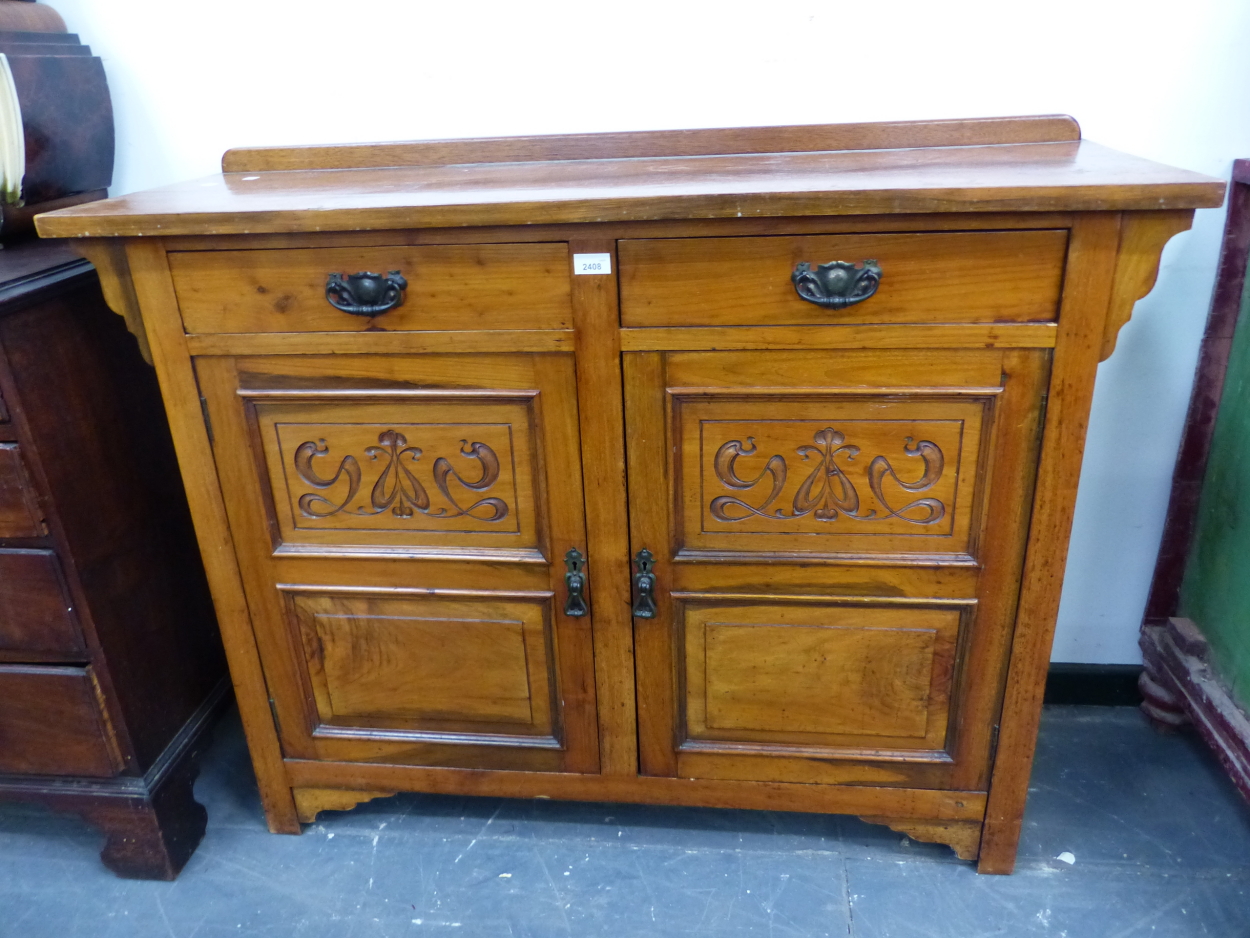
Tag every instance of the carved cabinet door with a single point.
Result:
(837, 539)
(401, 524)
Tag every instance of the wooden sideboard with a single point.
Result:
(582, 498)
(111, 670)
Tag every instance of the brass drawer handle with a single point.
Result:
(575, 583)
(644, 585)
(836, 285)
(366, 294)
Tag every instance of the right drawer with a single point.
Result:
(928, 277)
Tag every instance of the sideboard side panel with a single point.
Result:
(154, 289)
(1082, 315)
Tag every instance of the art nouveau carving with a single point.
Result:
(828, 491)
(397, 488)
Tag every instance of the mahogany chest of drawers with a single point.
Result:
(111, 669)
(724, 467)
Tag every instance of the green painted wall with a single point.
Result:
(1216, 590)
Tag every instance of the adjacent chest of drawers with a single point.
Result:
(725, 468)
(110, 664)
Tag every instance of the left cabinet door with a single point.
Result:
(401, 523)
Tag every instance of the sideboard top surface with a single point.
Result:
(992, 165)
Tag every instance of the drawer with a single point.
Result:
(51, 723)
(19, 510)
(981, 276)
(35, 609)
(450, 287)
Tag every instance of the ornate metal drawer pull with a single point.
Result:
(836, 285)
(366, 294)
(644, 585)
(575, 583)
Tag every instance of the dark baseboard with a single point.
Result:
(1100, 685)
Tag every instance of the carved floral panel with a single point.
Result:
(842, 476)
(462, 476)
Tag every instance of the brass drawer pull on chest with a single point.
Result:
(836, 285)
(366, 294)
(644, 585)
(575, 583)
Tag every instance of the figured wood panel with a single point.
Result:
(439, 664)
(19, 509)
(817, 673)
(36, 614)
(460, 287)
(984, 276)
(52, 723)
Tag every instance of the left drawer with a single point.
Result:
(36, 615)
(449, 287)
(51, 723)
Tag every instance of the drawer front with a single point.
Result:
(450, 287)
(982, 276)
(19, 509)
(51, 723)
(35, 610)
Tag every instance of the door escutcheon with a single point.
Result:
(575, 583)
(644, 585)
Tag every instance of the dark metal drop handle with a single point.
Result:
(575, 583)
(644, 585)
(838, 284)
(366, 294)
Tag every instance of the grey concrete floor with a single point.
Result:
(1160, 839)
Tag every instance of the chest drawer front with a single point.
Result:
(450, 287)
(35, 612)
(19, 510)
(51, 723)
(981, 276)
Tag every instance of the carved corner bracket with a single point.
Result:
(309, 802)
(108, 255)
(1142, 238)
(964, 837)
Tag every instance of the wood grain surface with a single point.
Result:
(991, 276)
(1028, 177)
(798, 138)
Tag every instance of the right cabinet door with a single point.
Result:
(838, 538)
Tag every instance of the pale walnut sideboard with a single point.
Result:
(727, 467)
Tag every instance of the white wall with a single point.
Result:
(1163, 80)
